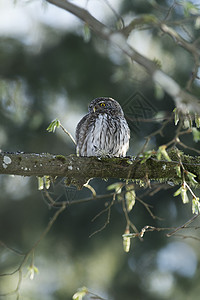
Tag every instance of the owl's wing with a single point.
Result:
(80, 128)
(82, 135)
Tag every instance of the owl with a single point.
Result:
(103, 131)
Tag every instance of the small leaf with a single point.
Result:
(126, 240)
(178, 170)
(157, 62)
(183, 192)
(197, 23)
(178, 192)
(184, 195)
(47, 182)
(176, 116)
(53, 125)
(80, 293)
(130, 197)
(117, 186)
(32, 270)
(146, 156)
(40, 183)
(196, 134)
(86, 33)
(191, 177)
(190, 8)
(187, 122)
(195, 206)
(159, 155)
(162, 152)
(197, 119)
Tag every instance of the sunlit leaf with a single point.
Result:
(196, 134)
(86, 33)
(176, 116)
(53, 125)
(191, 177)
(195, 206)
(183, 192)
(197, 23)
(126, 240)
(162, 152)
(130, 197)
(80, 293)
(47, 182)
(40, 183)
(32, 270)
(197, 119)
(178, 170)
(178, 192)
(146, 155)
(187, 122)
(190, 8)
(184, 195)
(117, 186)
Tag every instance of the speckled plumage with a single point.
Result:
(104, 130)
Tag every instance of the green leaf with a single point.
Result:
(183, 192)
(86, 33)
(40, 183)
(44, 182)
(191, 177)
(32, 270)
(53, 125)
(162, 152)
(190, 8)
(159, 93)
(178, 192)
(184, 195)
(178, 170)
(196, 134)
(197, 23)
(117, 186)
(187, 122)
(197, 118)
(80, 293)
(126, 243)
(195, 206)
(130, 197)
(47, 182)
(176, 116)
(146, 155)
(126, 240)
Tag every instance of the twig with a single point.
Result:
(183, 226)
(68, 133)
(108, 209)
(26, 256)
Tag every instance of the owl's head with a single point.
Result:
(105, 105)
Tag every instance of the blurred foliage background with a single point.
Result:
(51, 68)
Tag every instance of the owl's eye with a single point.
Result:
(102, 104)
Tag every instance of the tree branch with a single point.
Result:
(184, 101)
(78, 170)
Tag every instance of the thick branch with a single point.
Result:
(79, 169)
(183, 100)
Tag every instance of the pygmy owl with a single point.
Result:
(104, 130)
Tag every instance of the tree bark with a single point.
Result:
(78, 170)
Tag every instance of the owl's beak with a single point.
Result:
(94, 108)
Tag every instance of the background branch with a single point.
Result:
(183, 100)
